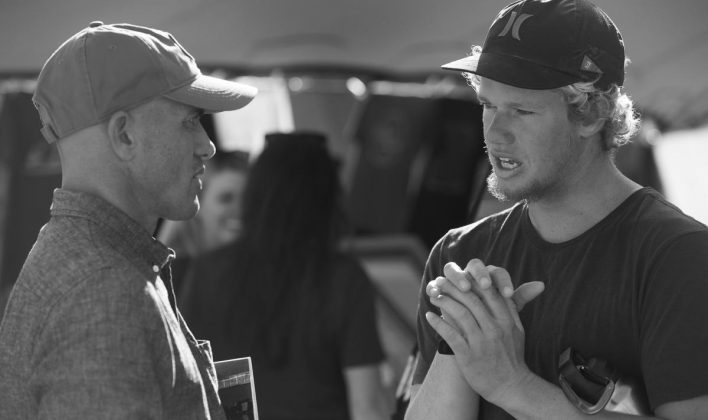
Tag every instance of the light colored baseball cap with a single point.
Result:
(107, 68)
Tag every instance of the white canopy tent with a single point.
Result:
(667, 41)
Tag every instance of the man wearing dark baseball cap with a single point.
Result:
(91, 330)
(611, 277)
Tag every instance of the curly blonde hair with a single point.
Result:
(589, 103)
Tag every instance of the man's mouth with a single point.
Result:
(508, 164)
(198, 177)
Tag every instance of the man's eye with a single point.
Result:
(523, 111)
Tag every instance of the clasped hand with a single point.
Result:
(481, 324)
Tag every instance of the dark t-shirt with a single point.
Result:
(633, 289)
(300, 389)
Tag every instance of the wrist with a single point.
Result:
(532, 397)
(514, 392)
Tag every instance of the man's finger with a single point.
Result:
(527, 292)
(493, 304)
(494, 287)
(468, 317)
(502, 280)
(475, 270)
(453, 273)
(522, 295)
(453, 338)
(432, 289)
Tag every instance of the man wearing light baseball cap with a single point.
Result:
(611, 277)
(90, 330)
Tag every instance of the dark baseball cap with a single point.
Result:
(546, 44)
(106, 68)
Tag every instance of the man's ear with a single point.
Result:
(594, 121)
(119, 136)
(590, 128)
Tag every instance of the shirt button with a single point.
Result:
(155, 268)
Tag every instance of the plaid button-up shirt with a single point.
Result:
(89, 331)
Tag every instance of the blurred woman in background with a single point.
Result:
(218, 221)
(285, 295)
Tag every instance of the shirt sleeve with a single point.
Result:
(360, 343)
(427, 337)
(674, 332)
(93, 358)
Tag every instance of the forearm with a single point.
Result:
(537, 399)
(443, 394)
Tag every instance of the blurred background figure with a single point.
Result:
(219, 219)
(284, 294)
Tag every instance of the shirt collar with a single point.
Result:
(120, 230)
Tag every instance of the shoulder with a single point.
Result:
(101, 312)
(58, 268)
(666, 247)
(73, 283)
(113, 296)
(655, 222)
(649, 207)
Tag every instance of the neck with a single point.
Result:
(89, 165)
(568, 214)
(112, 193)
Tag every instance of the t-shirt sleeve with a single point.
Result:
(674, 331)
(360, 342)
(427, 337)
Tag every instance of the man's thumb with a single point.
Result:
(526, 293)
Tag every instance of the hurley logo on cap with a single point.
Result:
(514, 24)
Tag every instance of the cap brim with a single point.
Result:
(513, 71)
(213, 94)
(467, 64)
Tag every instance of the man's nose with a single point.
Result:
(206, 148)
(496, 128)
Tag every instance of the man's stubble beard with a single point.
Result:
(494, 188)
